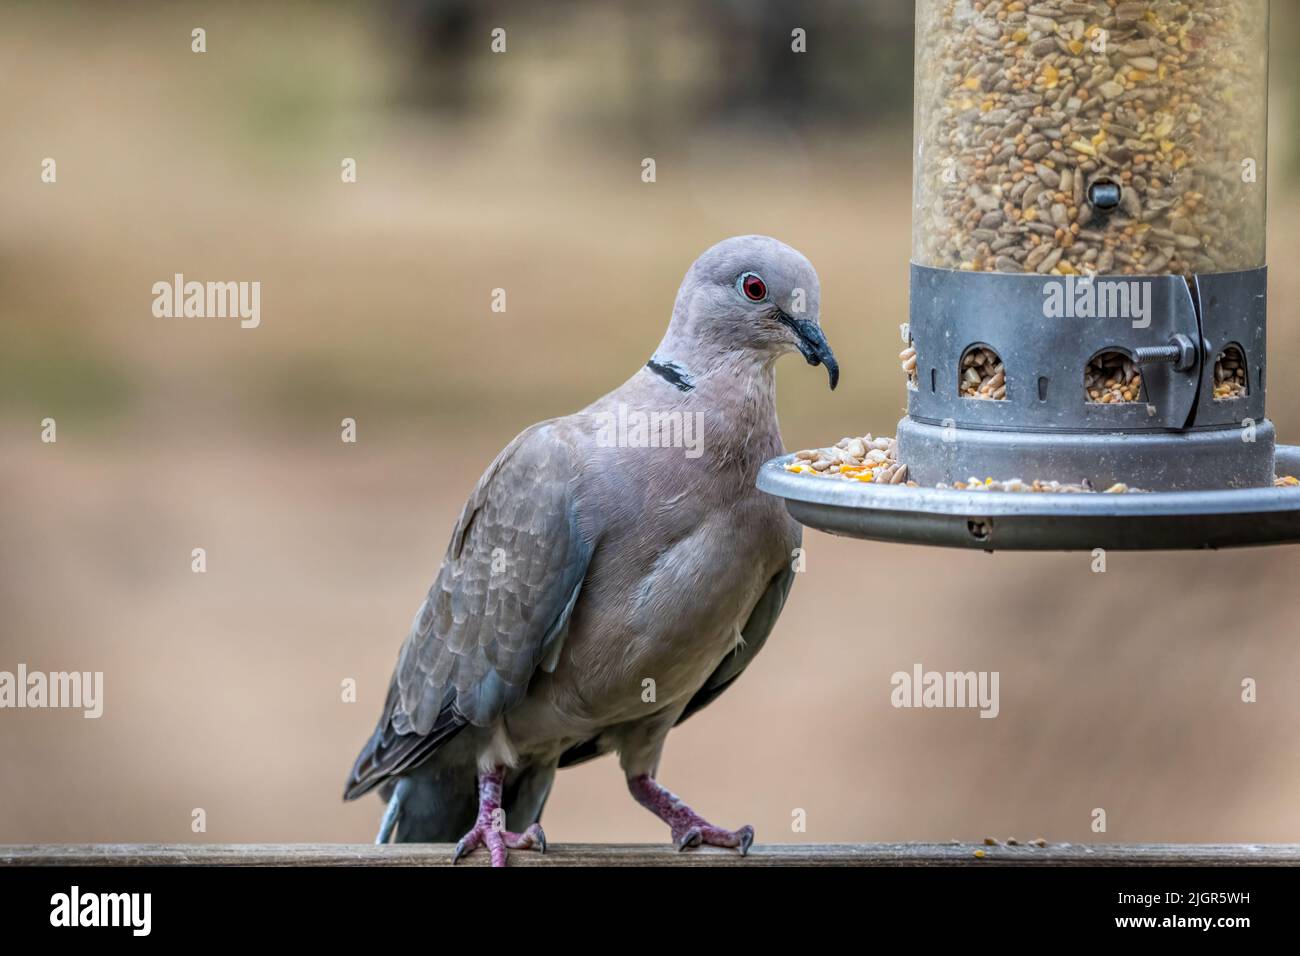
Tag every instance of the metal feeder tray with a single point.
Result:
(1007, 521)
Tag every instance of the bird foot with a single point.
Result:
(489, 828)
(499, 842)
(689, 829)
(705, 834)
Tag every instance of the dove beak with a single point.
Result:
(813, 345)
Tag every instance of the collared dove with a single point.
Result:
(612, 573)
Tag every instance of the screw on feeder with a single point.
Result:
(1180, 353)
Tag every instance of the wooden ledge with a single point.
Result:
(630, 854)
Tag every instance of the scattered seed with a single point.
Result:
(875, 461)
(908, 359)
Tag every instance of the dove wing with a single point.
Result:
(499, 607)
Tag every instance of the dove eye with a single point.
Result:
(755, 289)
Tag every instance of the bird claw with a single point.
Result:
(539, 836)
(499, 842)
(688, 839)
(746, 834)
(467, 845)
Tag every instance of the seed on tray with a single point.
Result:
(1289, 481)
(1018, 486)
(875, 461)
(864, 459)
(983, 375)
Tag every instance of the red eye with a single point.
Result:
(753, 287)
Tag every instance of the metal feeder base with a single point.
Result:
(1176, 438)
(1003, 521)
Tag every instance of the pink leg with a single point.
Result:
(489, 829)
(689, 829)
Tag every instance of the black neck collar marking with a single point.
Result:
(672, 373)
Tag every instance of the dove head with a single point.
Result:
(754, 294)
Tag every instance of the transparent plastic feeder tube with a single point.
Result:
(1068, 137)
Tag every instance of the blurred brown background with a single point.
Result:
(1119, 690)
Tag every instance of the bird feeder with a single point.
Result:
(1088, 284)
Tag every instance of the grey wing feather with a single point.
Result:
(500, 606)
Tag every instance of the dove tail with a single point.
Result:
(394, 811)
